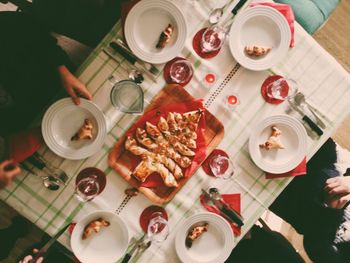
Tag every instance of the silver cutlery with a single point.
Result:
(120, 46)
(136, 245)
(305, 118)
(49, 181)
(300, 100)
(225, 211)
(46, 247)
(235, 10)
(58, 173)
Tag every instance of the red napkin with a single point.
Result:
(299, 170)
(153, 117)
(24, 144)
(287, 12)
(206, 163)
(196, 44)
(234, 200)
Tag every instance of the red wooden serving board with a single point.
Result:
(121, 160)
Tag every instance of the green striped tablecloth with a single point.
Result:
(322, 79)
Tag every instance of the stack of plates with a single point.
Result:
(294, 139)
(63, 119)
(213, 246)
(144, 24)
(260, 26)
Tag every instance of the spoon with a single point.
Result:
(136, 76)
(300, 99)
(215, 194)
(216, 14)
(49, 181)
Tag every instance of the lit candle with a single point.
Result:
(210, 78)
(232, 100)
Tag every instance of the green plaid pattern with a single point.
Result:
(325, 83)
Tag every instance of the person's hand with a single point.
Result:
(338, 191)
(8, 171)
(73, 86)
(30, 257)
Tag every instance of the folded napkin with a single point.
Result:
(233, 200)
(287, 12)
(24, 144)
(299, 170)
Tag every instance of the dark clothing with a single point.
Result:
(302, 205)
(264, 246)
(29, 57)
(86, 21)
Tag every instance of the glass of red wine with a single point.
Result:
(87, 188)
(181, 71)
(213, 38)
(221, 167)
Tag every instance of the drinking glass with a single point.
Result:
(158, 228)
(87, 188)
(221, 167)
(213, 38)
(282, 89)
(181, 71)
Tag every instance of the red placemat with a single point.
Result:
(206, 163)
(145, 216)
(264, 86)
(87, 172)
(196, 44)
(166, 72)
(299, 170)
(234, 201)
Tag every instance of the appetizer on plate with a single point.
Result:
(165, 148)
(256, 51)
(165, 36)
(194, 233)
(274, 141)
(85, 131)
(94, 227)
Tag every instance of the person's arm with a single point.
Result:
(8, 171)
(338, 191)
(73, 85)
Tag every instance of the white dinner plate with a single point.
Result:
(63, 119)
(260, 26)
(144, 24)
(293, 137)
(106, 246)
(213, 246)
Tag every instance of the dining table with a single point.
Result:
(320, 77)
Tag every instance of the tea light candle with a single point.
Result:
(210, 78)
(232, 100)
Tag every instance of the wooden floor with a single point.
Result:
(334, 37)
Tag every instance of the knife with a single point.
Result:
(119, 44)
(131, 58)
(46, 247)
(227, 212)
(238, 6)
(305, 118)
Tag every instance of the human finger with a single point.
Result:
(344, 199)
(83, 91)
(73, 95)
(13, 172)
(338, 190)
(5, 163)
(40, 260)
(27, 259)
(330, 186)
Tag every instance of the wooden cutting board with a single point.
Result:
(121, 160)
